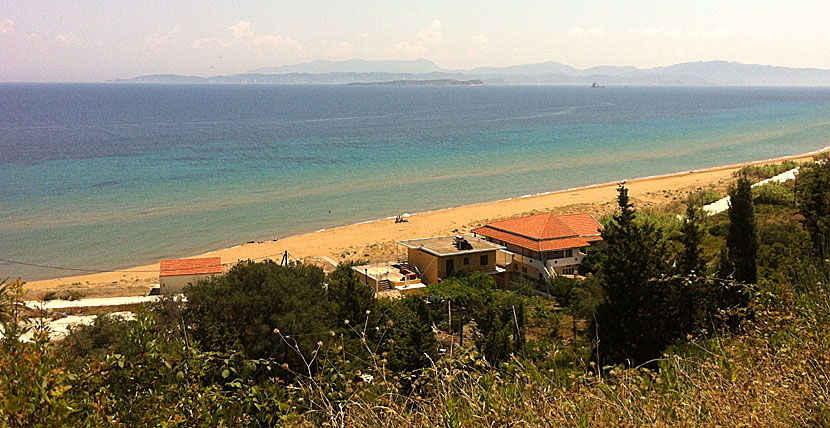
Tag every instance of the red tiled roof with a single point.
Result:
(200, 266)
(583, 223)
(562, 244)
(545, 232)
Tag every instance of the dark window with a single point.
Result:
(484, 260)
(524, 269)
(466, 260)
(450, 266)
(569, 253)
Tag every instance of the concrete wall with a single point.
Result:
(426, 263)
(435, 267)
(474, 263)
(565, 262)
(519, 268)
(368, 280)
(175, 284)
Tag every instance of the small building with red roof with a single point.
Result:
(175, 274)
(545, 245)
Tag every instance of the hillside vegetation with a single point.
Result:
(681, 320)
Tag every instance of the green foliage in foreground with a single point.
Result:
(255, 305)
(773, 374)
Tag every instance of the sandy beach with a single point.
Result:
(375, 240)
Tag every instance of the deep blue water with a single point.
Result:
(107, 176)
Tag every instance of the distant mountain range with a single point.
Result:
(708, 73)
(437, 82)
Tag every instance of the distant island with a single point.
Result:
(433, 82)
(425, 72)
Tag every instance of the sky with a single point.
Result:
(96, 40)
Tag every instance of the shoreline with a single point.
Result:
(550, 192)
(375, 239)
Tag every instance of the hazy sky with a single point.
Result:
(94, 40)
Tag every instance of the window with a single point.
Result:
(568, 271)
(466, 260)
(524, 269)
(569, 252)
(484, 261)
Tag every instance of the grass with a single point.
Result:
(775, 373)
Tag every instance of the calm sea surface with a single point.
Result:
(107, 176)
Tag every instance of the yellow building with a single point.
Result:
(434, 259)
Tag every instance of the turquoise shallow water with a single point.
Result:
(106, 176)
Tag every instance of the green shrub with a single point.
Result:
(75, 295)
(705, 196)
(773, 194)
(756, 173)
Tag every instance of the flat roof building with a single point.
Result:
(387, 277)
(436, 258)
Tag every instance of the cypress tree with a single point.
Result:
(742, 236)
(630, 321)
(690, 258)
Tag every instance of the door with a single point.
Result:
(450, 267)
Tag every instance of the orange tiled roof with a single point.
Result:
(200, 266)
(545, 232)
(583, 223)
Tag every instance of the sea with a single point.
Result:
(108, 176)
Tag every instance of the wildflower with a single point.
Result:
(346, 322)
(367, 378)
(276, 331)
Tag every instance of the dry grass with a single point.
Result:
(774, 374)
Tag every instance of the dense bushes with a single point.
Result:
(255, 305)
